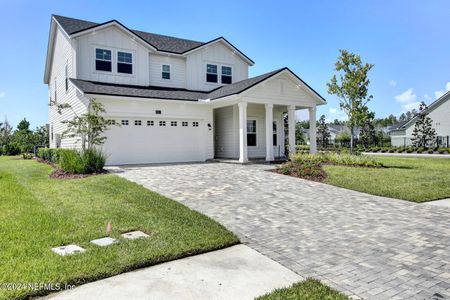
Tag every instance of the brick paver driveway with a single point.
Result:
(367, 246)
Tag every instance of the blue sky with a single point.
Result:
(406, 40)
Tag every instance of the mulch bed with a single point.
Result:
(58, 173)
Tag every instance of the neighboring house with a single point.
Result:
(177, 100)
(439, 112)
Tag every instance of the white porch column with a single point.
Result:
(269, 132)
(291, 128)
(312, 130)
(243, 158)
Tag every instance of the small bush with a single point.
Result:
(74, 161)
(431, 151)
(420, 150)
(71, 162)
(442, 151)
(391, 150)
(10, 149)
(94, 161)
(305, 169)
(27, 155)
(338, 159)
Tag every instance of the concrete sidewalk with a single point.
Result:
(417, 155)
(238, 272)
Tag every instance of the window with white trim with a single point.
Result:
(137, 122)
(165, 72)
(184, 124)
(211, 73)
(124, 122)
(66, 77)
(173, 123)
(162, 123)
(251, 132)
(103, 60)
(226, 75)
(274, 131)
(124, 62)
(150, 123)
(195, 124)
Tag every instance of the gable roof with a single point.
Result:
(157, 92)
(428, 110)
(159, 42)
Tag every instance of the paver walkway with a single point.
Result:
(368, 246)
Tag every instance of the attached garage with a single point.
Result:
(155, 140)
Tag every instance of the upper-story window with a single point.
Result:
(165, 72)
(124, 62)
(103, 60)
(226, 75)
(211, 73)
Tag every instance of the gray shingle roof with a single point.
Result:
(101, 88)
(158, 92)
(160, 42)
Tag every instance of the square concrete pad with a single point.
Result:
(106, 241)
(238, 272)
(68, 250)
(133, 235)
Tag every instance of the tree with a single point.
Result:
(40, 136)
(23, 137)
(323, 134)
(423, 134)
(343, 138)
(367, 135)
(5, 132)
(300, 138)
(351, 88)
(88, 127)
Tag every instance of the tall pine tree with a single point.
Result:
(423, 134)
(323, 134)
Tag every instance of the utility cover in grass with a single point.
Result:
(133, 235)
(106, 241)
(68, 250)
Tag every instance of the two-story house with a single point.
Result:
(176, 100)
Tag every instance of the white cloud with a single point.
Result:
(439, 93)
(427, 97)
(411, 106)
(336, 113)
(392, 83)
(2, 94)
(407, 96)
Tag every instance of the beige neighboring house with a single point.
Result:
(439, 112)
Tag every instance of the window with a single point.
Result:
(251, 132)
(162, 123)
(66, 77)
(195, 124)
(165, 72)
(103, 60)
(124, 62)
(211, 73)
(111, 122)
(150, 123)
(54, 87)
(173, 123)
(184, 124)
(124, 122)
(226, 75)
(137, 122)
(274, 133)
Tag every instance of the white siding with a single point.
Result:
(177, 71)
(227, 131)
(63, 54)
(113, 39)
(216, 54)
(138, 109)
(441, 120)
(224, 133)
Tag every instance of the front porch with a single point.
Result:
(253, 131)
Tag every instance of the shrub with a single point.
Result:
(305, 169)
(431, 151)
(77, 162)
(27, 155)
(420, 150)
(442, 151)
(338, 159)
(391, 150)
(94, 161)
(10, 149)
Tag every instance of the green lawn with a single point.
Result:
(38, 213)
(309, 289)
(413, 179)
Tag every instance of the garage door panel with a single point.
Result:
(133, 144)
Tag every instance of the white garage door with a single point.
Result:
(155, 141)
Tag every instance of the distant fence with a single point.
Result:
(441, 141)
